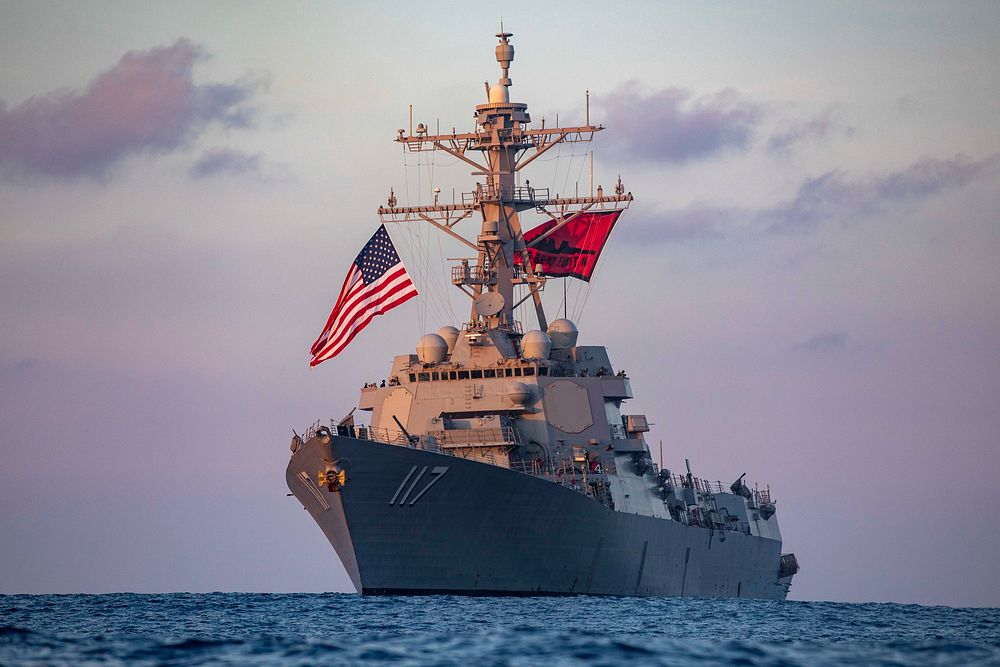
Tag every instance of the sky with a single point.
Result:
(806, 289)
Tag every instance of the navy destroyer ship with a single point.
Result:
(497, 460)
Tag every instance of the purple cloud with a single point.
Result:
(226, 162)
(146, 103)
(812, 130)
(830, 343)
(673, 126)
(833, 196)
(833, 341)
(692, 224)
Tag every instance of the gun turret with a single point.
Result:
(741, 489)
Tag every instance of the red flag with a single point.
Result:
(573, 249)
(376, 283)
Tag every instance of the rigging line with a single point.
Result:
(446, 164)
(443, 306)
(555, 167)
(421, 303)
(425, 305)
(565, 314)
(439, 298)
(433, 287)
(440, 291)
(585, 288)
(597, 268)
(569, 167)
(411, 264)
(451, 308)
(578, 290)
(419, 271)
(583, 163)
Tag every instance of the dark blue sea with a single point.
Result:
(340, 629)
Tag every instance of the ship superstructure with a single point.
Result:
(497, 460)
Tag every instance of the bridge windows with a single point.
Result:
(479, 373)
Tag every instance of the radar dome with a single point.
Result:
(499, 94)
(450, 335)
(519, 393)
(564, 334)
(536, 345)
(431, 349)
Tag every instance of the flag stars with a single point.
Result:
(385, 286)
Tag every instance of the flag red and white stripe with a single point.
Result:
(376, 283)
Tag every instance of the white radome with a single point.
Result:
(536, 345)
(563, 334)
(519, 393)
(432, 349)
(450, 335)
(499, 94)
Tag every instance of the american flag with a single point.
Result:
(376, 283)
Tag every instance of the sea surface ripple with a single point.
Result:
(329, 629)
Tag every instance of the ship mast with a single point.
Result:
(506, 145)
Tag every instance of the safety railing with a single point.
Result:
(375, 434)
(565, 469)
(475, 437)
(519, 194)
(464, 274)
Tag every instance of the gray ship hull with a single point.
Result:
(410, 521)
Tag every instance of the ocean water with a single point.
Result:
(341, 629)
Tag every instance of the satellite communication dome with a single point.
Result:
(519, 393)
(432, 349)
(499, 94)
(536, 345)
(450, 335)
(564, 334)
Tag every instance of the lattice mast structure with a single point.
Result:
(507, 146)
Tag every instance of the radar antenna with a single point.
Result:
(505, 145)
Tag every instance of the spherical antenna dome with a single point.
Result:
(564, 334)
(450, 335)
(499, 94)
(536, 345)
(432, 349)
(518, 393)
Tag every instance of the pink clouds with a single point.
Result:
(835, 196)
(815, 129)
(671, 125)
(146, 103)
(226, 161)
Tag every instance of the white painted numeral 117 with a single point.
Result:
(400, 497)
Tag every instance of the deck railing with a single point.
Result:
(505, 435)
(475, 437)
